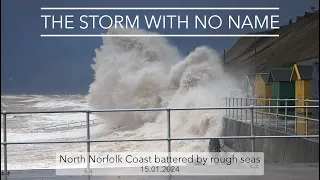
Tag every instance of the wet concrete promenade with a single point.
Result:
(272, 171)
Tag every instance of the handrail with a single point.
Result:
(301, 112)
(153, 109)
(267, 99)
(88, 140)
(159, 139)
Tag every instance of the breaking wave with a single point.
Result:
(149, 72)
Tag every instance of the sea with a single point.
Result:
(129, 72)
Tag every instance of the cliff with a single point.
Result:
(298, 42)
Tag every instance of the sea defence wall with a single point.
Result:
(276, 150)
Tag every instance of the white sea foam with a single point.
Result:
(57, 104)
(147, 72)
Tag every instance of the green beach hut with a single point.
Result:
(282, 87)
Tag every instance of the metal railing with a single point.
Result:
(300, 116)
(169, 138)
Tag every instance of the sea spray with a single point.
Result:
(130, 72)
(148, 72)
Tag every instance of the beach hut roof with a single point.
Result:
(280, 75)
(264, 77)
(303, 72)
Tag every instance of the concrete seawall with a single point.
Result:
(276, 150)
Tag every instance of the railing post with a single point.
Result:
(262, 111)
(5, 172)
(169, 130)
(241, 109)
(237, 109)
(169, 139)
(229, 109)
(307, 129)
(277, 114)
(252, 130)
(88, 170)
(226, 106)
(285, 115)
(256, 104)
(296, 102)
(246, 110)
(269, 113)
(233, 107)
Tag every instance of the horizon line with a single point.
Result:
(159, 35)
(160, 8)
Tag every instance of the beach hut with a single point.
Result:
(282, 87)
(315, 88)
(301, 76)
(263, 87)
(249, 85)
